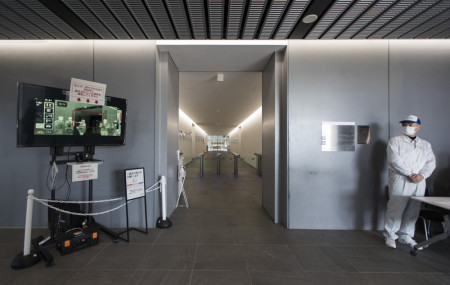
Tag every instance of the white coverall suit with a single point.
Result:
(405, 157)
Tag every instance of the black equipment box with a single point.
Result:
(76, 239)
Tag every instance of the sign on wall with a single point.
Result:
(87, 92)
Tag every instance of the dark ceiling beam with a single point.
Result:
(70, 18)
(317, 7)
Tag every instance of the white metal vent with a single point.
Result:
(403, 18)
(105, 16)
(235, 17)
(121, 12)
(215, 16)
(421, 19)
(15, 29)
(293, 15)
(377, 9)
(196, 10)
(442, 28)
(390, 14)
(276, 10)
(161, 18)
(84, 14)
(25, 18)
(254, 15)
(349, 16)
(430, 24)
(179, 18)
(330, 17)
(57, 27)
(142, 17)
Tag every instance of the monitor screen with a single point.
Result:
(45, 117)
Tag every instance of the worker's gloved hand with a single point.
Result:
(416, 178)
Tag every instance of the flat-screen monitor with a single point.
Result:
(46, 117)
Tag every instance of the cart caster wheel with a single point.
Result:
(413, 252)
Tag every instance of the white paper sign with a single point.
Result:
(134, 181)
(87, 92)
(84, 171)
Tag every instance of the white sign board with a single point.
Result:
(135, 184)
(87, 92)
(84, 171)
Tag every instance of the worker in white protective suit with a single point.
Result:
(411, 161)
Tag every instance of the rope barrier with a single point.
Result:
(47, 202)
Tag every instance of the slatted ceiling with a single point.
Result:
(435, 31)
(86, 16)
(216, 17)
(178, 14)
(11, 26)
(3, 37)
(273, 17)
(196, 10)
(399, 7)
(417, 21)
(121, 13)
(292, 16)
(432, 22)
(254, 15)
(223, 19)
(143, 18)
(354, 12)
(374, 11)
(8, 33)
(235, 18)
(104, 15)
(161, 18)
(403, 18)
(20, 18)
(57, 27)
(329, 18)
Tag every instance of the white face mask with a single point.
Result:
(409, 131)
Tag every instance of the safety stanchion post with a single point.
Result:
(27, 258)
(163, 222)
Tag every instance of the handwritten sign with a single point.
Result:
(135, 184)
(87, 92)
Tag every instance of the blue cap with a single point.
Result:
(412, 119)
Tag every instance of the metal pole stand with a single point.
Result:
(163, 222)
(236, 156)
(218, 163)
(27, 258)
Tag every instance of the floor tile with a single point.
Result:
(321, 258)
(161, 277)
(270, 257)
(220, 278)
(219, 257)
(100, 277)
(119, 256)
(169, 257)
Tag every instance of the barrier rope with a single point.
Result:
(47, 202)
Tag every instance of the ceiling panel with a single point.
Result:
(223, 19)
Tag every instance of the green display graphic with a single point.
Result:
(60, 117)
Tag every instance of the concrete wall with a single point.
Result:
(247, 140)
(129, 72)
(372, 83)
(192, 144)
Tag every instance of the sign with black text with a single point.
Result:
(135, 183)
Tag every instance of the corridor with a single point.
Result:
(225, 237)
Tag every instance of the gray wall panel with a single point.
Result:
(167, 125)
(128, 69)
(270, 122)
(345, 82)
(420, 84)
(45, 63)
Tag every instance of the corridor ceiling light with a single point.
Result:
(183, 114)
(258, 112)
(308, 19)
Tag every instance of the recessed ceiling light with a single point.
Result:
(308, 19)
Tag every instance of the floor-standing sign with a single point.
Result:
(135, 189)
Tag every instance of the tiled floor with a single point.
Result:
(225, 237)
